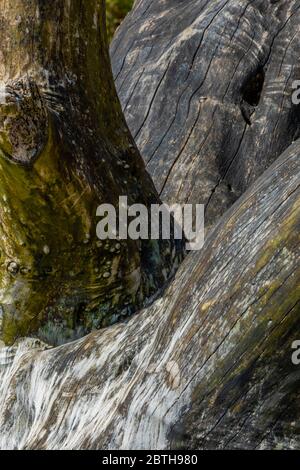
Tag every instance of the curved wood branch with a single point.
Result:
(208, 365)
(206, 88)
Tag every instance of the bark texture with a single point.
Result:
(64, 150)
(208, 365)
(206, 88)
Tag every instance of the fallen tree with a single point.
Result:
(207, 365)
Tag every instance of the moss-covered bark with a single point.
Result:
(65, 149)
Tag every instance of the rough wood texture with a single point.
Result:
(64, 150)
(208, 365)
(206, 89)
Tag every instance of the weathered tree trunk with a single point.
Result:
(208, 365)
(65, 149)
(206, 88)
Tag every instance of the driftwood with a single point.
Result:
(206, 90)
(207, 365)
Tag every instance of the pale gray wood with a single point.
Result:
(207, 365)
(206, 88)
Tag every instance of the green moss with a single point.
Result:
(48, 235)
(116, 10)
(272, 315)
(64, 149)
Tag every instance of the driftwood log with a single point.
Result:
(206, 89)
(207, 365)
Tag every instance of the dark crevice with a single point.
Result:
(78, 315)
(251, 91)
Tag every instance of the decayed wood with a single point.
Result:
(206, 88)
(64, 150)
(207, 365)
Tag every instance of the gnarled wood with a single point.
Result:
(206, 88)
(208, 365)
